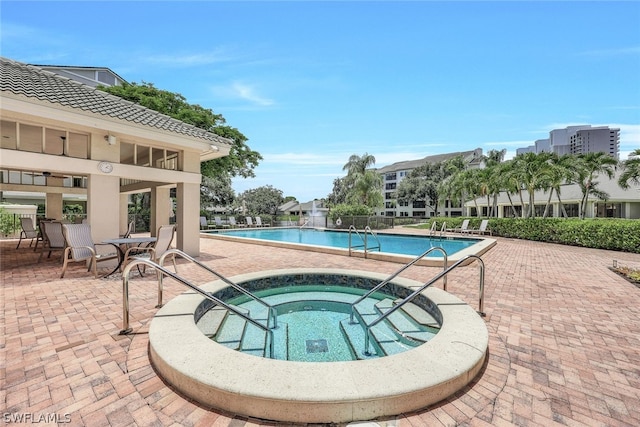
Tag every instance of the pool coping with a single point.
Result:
(483, 245)
(317, 391)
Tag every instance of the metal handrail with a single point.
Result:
(403, 268)
(386, 314)
(443, 229)
(353, 228)
(366, 248)
(271, 309)
(161, 270)
(364, 240)
(433, 228)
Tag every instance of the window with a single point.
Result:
(143, 155)
(30, 138)
(8, 137)
(54, 141)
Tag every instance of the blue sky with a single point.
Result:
(311, 83)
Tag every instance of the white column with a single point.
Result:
(188, 218)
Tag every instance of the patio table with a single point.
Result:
(126, 242)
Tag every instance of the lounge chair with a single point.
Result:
(233, 223)
(80, 248)
(464, 228)
(483, 229)
(153, 253)
(28, 231)
(52, 238)
(204, 224)
(249, 221)
(219, 223)
(259, 222)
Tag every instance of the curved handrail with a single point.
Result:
(367, 228)
(125, 298)
(367, 332)
(270, 308)
(392, 276)
(443, 229)
(364, 239)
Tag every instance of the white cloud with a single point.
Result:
(243, 91)
(196, 59)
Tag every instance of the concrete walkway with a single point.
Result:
(564, 339)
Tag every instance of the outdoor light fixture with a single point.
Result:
(46, 174)
(111, 139)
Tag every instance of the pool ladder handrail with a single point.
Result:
(366, 230)
(161, 270)
(433, 230)
(394, 275)
(271, 310)
(367, 332)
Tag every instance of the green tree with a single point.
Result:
(532, 171)
(339, 193)
(241, 160)
(589, 166)
(561, 171)
(492, 161)
(216, 191)
(363, 186)
(630, 170)
(422, 184)
(262, 200)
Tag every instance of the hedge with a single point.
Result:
(600, 233)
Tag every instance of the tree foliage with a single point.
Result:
(260, 201)
(630, 170)
(241, 160)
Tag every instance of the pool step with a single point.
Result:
(211, 321)
(232, 330)
(404, 326)
(385, 341)
(419, 315)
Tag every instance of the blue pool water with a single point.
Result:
(397, 244)
(314, 325)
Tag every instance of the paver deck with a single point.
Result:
(564, 343)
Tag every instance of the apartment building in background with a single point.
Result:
(393, 175)
(578, 140)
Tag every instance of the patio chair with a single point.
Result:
(233, 223)
(129, 230)
(28, 231)
(464, 228)
(153, 253)
(249, 221)
(52, 238)
(259, 222)
(483, 229)
(204, 223)
(219, 223)
(80, 248)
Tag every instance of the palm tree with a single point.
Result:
(357, 165)
(631, 170)
(561, 171)
(590, 165)
(492, 160)
(508, 181)
(532, 172)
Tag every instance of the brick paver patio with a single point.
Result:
(564, 339)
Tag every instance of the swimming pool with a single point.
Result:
(393, 247)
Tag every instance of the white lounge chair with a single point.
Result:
(483, 229)
(464, 228)
(259, 222)
(219, 223)
(249, 221)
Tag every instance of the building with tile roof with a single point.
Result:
(60, 136)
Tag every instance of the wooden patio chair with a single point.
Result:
(81, 248)
(28, 231)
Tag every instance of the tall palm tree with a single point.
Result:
(492, 160)
(631, 170)
(357, 165)
(532, 172)
(589, 166)
(508, 181)
(561, 171)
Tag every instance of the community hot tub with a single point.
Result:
(317, 392)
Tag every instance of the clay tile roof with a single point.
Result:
(34, 82)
